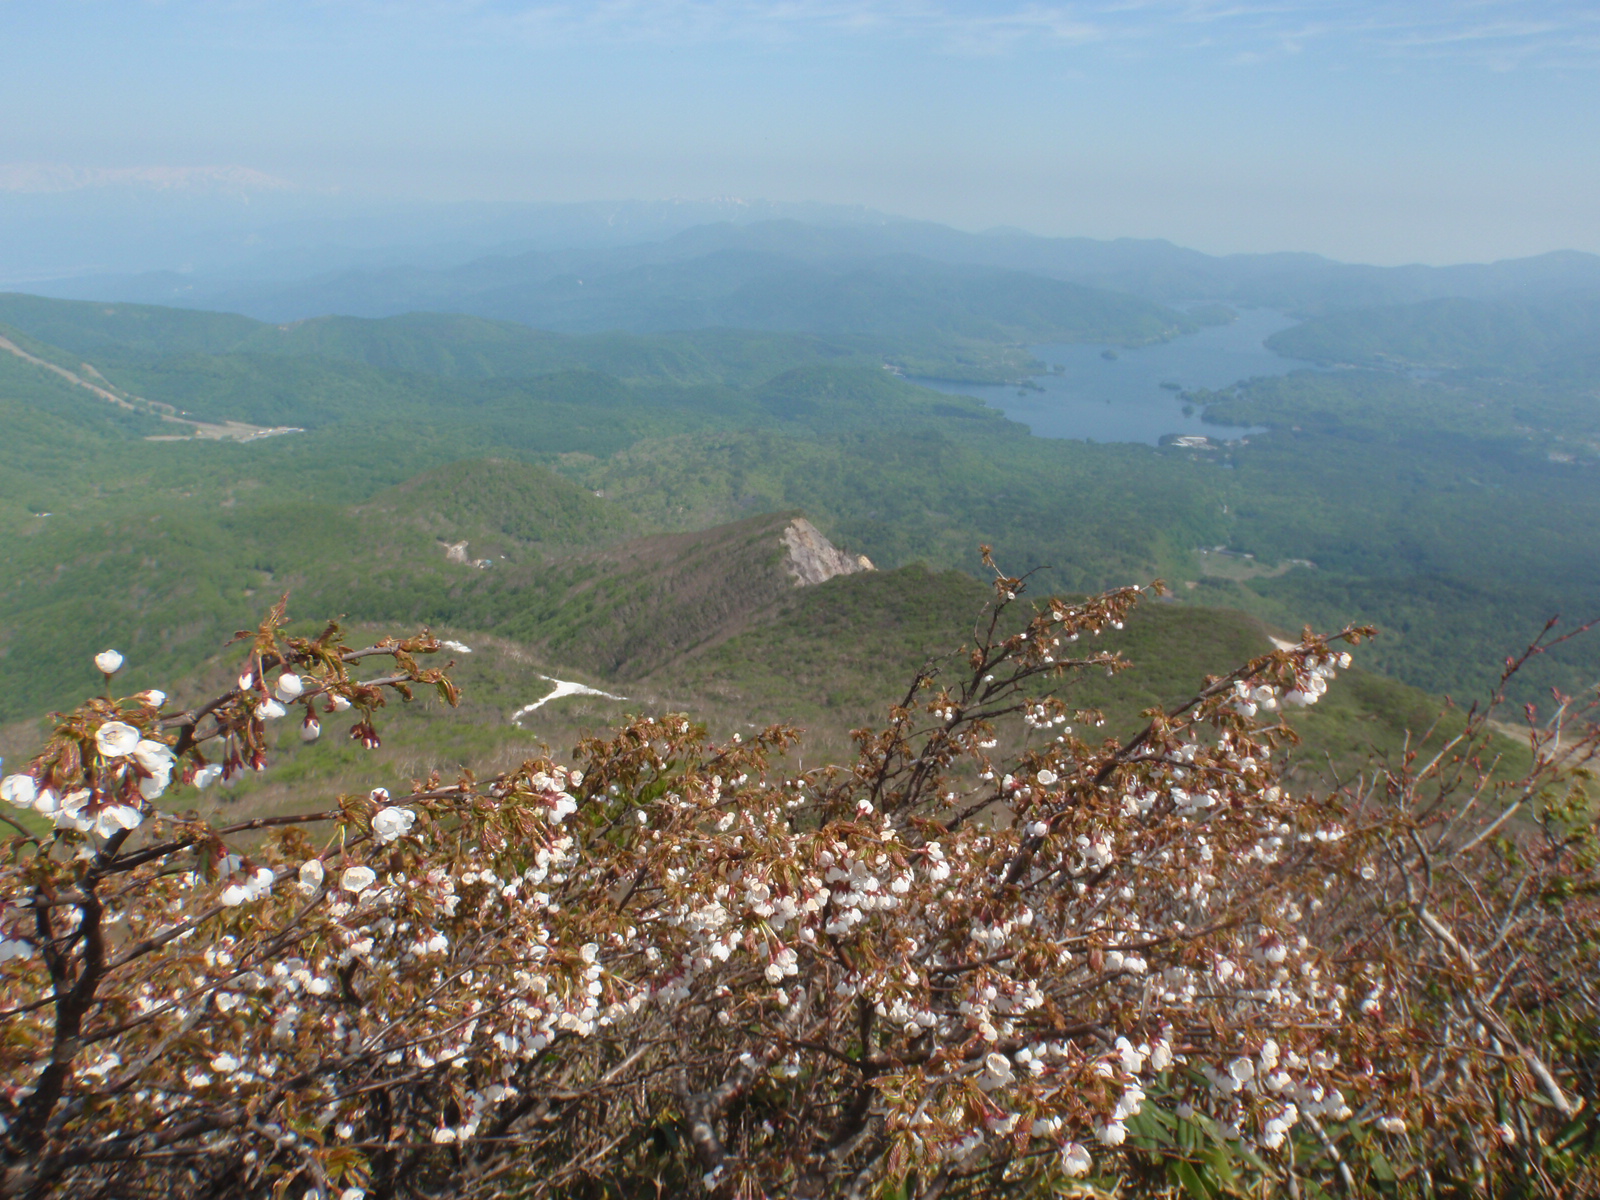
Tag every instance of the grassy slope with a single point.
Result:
(833, 657)
(828, 659)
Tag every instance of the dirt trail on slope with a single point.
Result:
(202, 430)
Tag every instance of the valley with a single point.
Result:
(635, 495)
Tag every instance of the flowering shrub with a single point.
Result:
(990, 956)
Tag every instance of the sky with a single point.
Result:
(1398, 131)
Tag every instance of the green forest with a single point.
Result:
(1456, 512)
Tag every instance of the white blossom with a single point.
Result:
(1075, 1161)
(311, 875)
(357, 879)
(109, 662)
(153, 755)
(116, 739)
(1111, 1133)
(391, 823)
(243, 891)
(20, 790)
(115, 817)
(290, 686)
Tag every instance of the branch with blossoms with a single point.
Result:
(98, 780)
(990, 953)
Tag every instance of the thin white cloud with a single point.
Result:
(1489, 33)
(45, 178)
(1486, 32)
(983, 29)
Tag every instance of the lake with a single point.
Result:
(1099, 399)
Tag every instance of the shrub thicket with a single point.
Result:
(671, 967)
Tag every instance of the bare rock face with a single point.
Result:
(455, 552)
(814, 559)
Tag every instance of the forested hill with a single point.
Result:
(1551, 340)
(891, 296)
(1458, 513)
(976, 332)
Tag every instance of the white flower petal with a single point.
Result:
(109, 662)
(311, 875)
(156, 785)
(116, 739)
(153, 755)
(20, 790)
(116, 817)
(391, 823)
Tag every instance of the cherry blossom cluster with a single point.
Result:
(987, 949)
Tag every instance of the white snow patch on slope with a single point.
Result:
(564, 687)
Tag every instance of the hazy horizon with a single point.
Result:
(1383, 133)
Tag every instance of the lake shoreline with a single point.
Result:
(1142, 393)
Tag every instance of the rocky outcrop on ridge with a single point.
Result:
(813, 558)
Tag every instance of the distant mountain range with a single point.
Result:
(205, 225)
(822, 275)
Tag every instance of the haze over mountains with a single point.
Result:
(778, 273)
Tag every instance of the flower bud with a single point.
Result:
(109, 662)
(290, 686)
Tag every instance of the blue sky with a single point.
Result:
(1384, 132)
